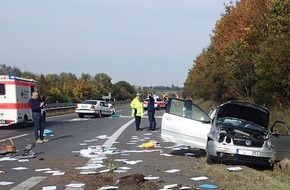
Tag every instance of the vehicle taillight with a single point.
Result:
(92, 107)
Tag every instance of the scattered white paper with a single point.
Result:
(7, 159)
(44, 169)
(90, 167)
(75, 185)
(184, 187)
(102, 137)
(130, 143)
(49, 188)
(164, 154)
(6, 182)
(234, 168)
(58, 173)
(124, 168)
(82, 144)
(151, 178)
(133, 162)
(104, 171)
(199, 178)
(51, 171)
(108, 187)
(87, 173)
(75, 151)
(172, 171)
(120, 160)
(170, 186)
(147, 134)
(120, 171)
(23, 160)
(20, 168)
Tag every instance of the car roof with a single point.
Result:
(244, 110)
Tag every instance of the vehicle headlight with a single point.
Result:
(216, 136)
(268, 144)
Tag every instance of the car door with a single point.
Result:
(281, 140)
(105, 108)
(178, 128)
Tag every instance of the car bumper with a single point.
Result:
(253, 155)
(87, 111)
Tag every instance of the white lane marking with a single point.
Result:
(15, 137)
(114, 137)
(29, 183)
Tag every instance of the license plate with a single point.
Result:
(247, 152)
(2, 121)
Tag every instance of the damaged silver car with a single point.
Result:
(235, 131)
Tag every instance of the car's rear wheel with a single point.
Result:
(99, 114)
(81, 115)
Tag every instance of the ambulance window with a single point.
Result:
(32, 89)
(2, 89)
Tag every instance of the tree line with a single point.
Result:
(67, 87)
(248, 56)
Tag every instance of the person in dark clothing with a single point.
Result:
(36, 105)
(188, 107)
(151, 112)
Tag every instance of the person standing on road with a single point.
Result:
(151, 111)
(188, 107)
(36, 105)
(137, 111)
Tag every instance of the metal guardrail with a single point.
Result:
(60, 106)
(55, 106)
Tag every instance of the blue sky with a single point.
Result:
(143, 42)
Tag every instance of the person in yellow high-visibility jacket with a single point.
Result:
(137, 111)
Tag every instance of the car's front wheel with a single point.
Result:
(209, 158)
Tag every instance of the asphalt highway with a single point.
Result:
(61, 155)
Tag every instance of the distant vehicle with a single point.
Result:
(96, 108)
(14, 95)
(158, 104)
(232, 132)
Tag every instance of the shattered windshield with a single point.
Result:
(239, 124)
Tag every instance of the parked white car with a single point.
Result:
(97, 108)
(232, 132)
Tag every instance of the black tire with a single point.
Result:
(81, 115)
(209, 158)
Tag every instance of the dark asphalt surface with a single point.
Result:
(70, 132)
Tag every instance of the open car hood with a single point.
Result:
(244, 110)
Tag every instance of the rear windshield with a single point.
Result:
(89, 102)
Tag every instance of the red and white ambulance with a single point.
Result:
(14, 95)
